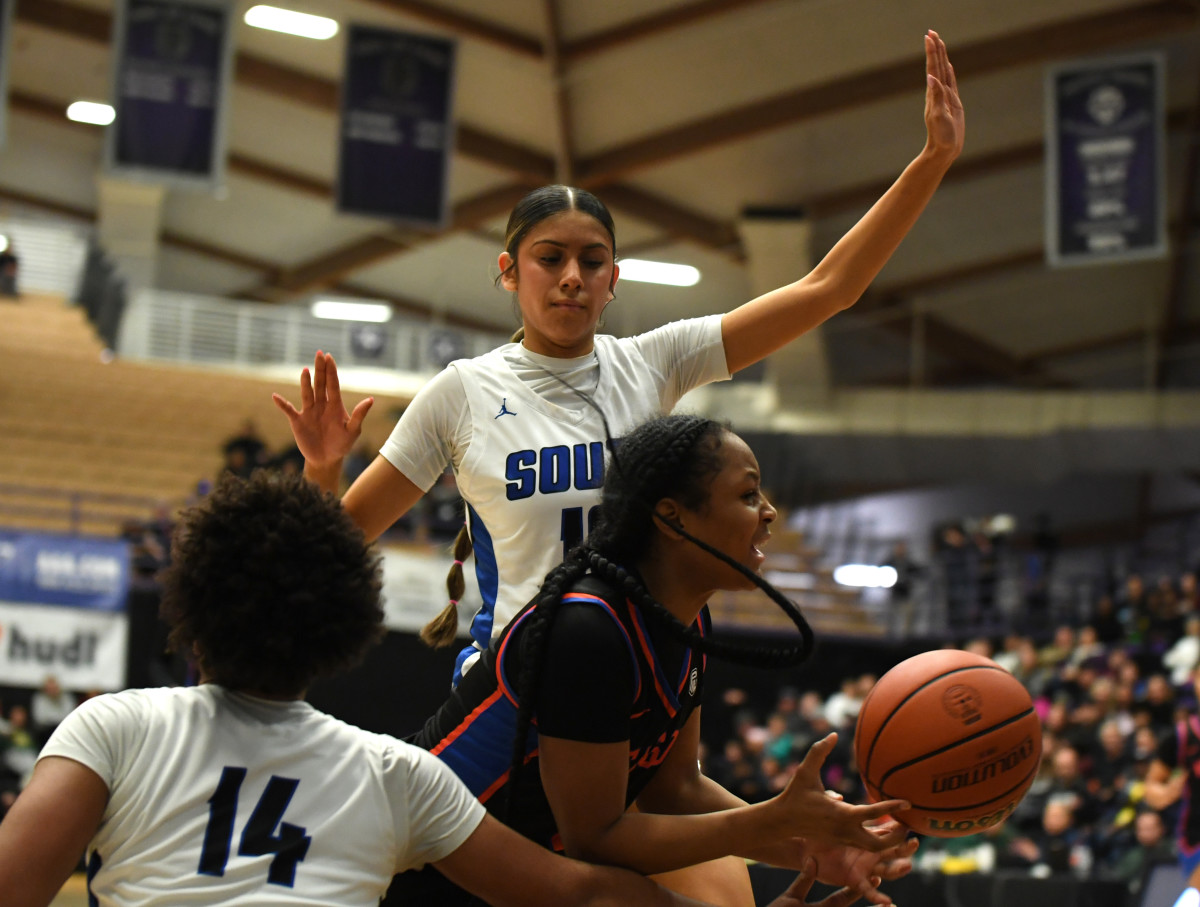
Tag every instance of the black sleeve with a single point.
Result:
(587, 684)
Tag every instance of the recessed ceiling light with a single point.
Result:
(341, 310)
(658, 272)
(290, 22)
(91, 112)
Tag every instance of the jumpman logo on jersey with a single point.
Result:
(504, 410)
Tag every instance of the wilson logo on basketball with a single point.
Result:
(985, 771)
(963, 702)
(940, 827)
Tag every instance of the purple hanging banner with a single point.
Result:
(171, 75)
(1105, 175)
(6, 14)
(397, 126)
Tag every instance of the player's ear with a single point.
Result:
(508, 272)
(670, 515)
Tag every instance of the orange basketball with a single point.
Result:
(955, 735)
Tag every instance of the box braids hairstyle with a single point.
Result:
(670, 456)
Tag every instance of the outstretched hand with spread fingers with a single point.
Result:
(805, 810)
(863, 871)
(323, 430)
(945, 123)
(798, 891)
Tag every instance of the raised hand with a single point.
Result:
(807, 811)
(945, 124)
(323, 430)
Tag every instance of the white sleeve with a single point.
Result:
(429, 434)
(95, 734)
(432, 810)
(688, 354)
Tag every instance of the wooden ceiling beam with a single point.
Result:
(648, 27)
(167, 238)
(1085, 34)
(55, 111)
(467, 26)
(334, 267)
(675, 221)
(958, 345)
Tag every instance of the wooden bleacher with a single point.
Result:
(86, 444)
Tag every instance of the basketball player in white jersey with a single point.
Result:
(239, 792)
(526, 448)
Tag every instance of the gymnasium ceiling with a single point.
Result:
(681, 114)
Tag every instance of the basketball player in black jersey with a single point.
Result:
(589, 702)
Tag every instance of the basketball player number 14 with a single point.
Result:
(290, 845)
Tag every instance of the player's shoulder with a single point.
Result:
(591, 615)
(143, 708)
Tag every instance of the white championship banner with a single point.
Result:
(83, 647)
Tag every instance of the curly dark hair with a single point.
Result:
(271, 585)
(674, 456)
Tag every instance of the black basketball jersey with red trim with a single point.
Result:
(473, 730)
(1182, 750)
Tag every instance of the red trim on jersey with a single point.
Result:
(466, 723)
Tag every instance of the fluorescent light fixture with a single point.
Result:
(91, 112)
(865, 575)
(658, 272)
(341, 310)
(290, 22)
(3, 243)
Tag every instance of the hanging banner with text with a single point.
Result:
(6, 18)
(171, 73)
(62, 611)
(1105, 172)
(397, 126)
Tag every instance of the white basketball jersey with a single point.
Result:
(217, 797)
(532, 474)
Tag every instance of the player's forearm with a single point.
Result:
(608, 886)
(326, 476)
(651, 842)
(854, 261)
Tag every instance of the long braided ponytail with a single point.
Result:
(531, 210)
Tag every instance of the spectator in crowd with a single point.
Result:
(1133, 608)
(288, 461)
(954, 553)
(1152, 847)
(1183, 656)
(1106, 620)
(21, 749)
(245, 451)
(48, 707)
(1061, 845)
(8, 268)
(1189, 593)
(842, 708)
(908, 572)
